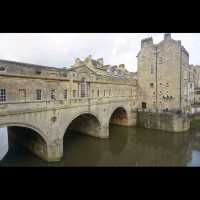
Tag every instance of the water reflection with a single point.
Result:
(82, 150)
(155, 148)
(125, 147)
(118, 139)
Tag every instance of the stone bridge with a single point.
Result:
(41, 126)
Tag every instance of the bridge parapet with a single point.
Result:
(17, 107)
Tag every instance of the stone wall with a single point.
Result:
(3, 142)
(161, 80)
(165, 121)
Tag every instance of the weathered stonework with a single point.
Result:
(165, 78)
(165, 121)
(51, 101)
(89, 95)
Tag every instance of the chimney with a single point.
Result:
(147, 42)
(77, 61)
(167, 36)
(100, 61)
(122, 66)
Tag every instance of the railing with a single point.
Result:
(174, 111)
(13, 107)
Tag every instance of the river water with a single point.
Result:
(125, 147)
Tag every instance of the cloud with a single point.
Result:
(60, 50)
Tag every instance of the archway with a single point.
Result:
(85, 123)
(76, 142)
(21, 139)
(119, 117)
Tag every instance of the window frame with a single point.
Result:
(53, 94)
(65, 94)
(3, 95)
(38, 94)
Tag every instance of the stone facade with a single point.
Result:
(196, 77)
(165, 79)
(22, 82)
(89, 95)
(165, 121)
(86, 97)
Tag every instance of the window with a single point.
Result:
(167, 84)
(160, 83)
(74, 93)
(92, 93)
(22, 93)
(152, 69)
(190, 85)
(2, 95)
(65, 94)
(38, 71)
(160, 92)
(64, 74)
(97, 93)
(110, 92)
(151, 84)
(2, 69)
(53, 94)
(38, 94)
(144, 105)
(83, 88)
(104, 93)
(160, 60)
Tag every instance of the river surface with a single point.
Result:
(125, 147)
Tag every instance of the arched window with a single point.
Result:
(83, 88)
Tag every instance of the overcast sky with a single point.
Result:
(60, 50)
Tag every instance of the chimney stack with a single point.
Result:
(167, 36)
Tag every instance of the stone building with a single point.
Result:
(196, 75)
(165, 79)
(40, 104)
(22, 82)
(91, 95)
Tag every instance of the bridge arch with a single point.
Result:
(85, 122)
(25, 125)
(119, 116)
(28, 136)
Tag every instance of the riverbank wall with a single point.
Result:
(165, 121)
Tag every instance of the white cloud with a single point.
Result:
(60, 50)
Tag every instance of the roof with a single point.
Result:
(29, 65)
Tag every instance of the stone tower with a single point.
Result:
(164, 80)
